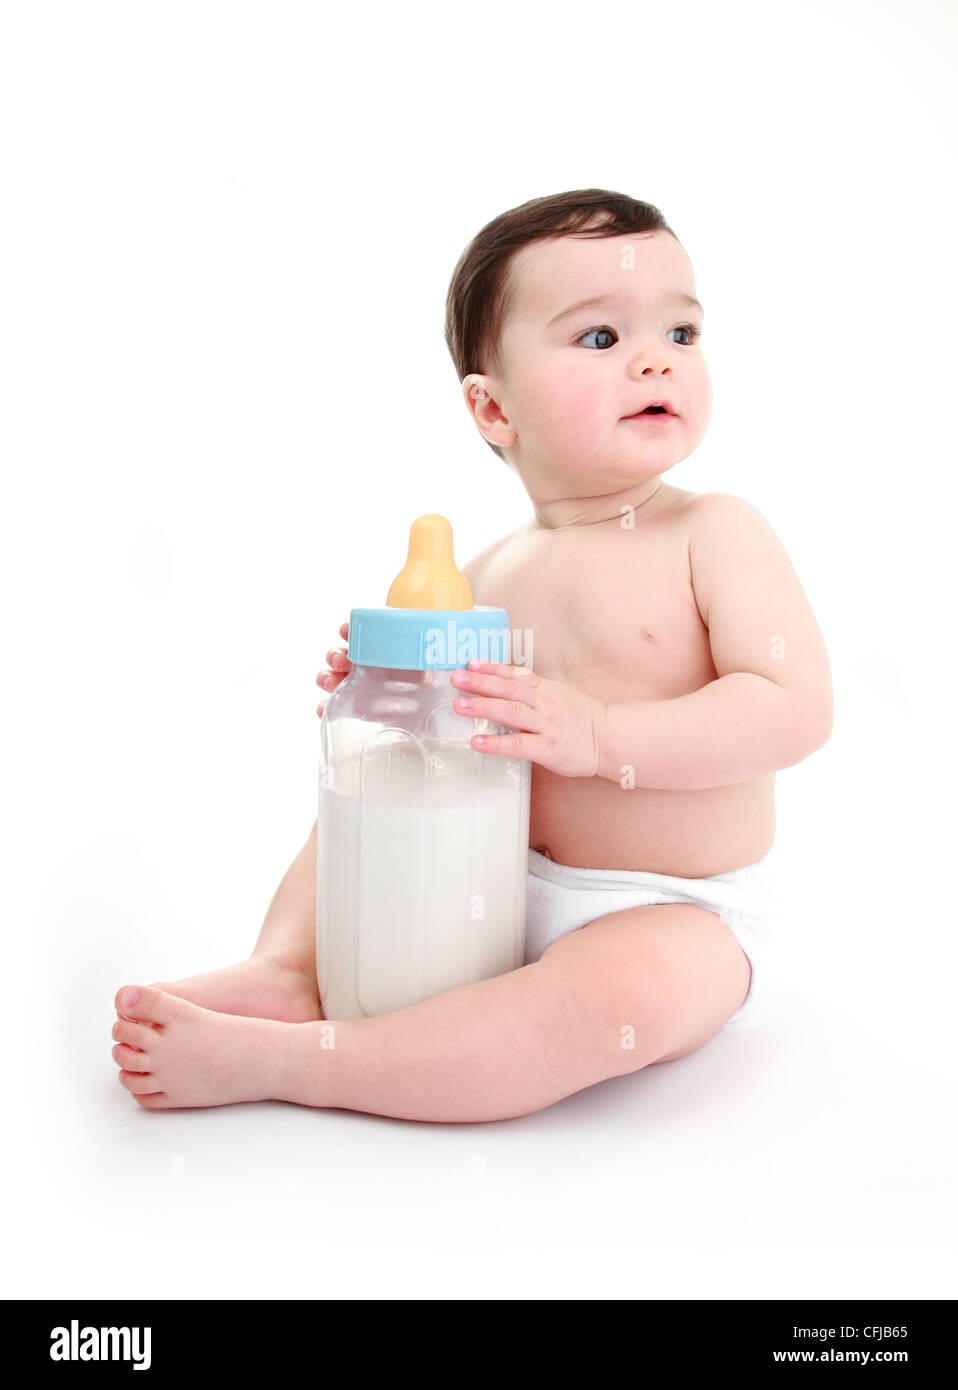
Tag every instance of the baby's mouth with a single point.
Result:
(653, 412)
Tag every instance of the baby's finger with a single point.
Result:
(504, 668)
(512, 713)
(340, 664)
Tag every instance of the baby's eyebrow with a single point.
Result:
(676, 297)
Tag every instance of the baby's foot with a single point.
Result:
(261, 987)
(174, 1053)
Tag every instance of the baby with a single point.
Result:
(676, 666)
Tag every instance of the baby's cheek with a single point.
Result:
(699, 400)
(568, 410)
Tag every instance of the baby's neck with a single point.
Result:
(565, 512)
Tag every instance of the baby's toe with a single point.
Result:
(141, 1083)
(130, 1058)
(139, 1035)
(157, 1101)
(149, 1005)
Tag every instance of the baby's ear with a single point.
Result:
(486, 413)
(474, 388)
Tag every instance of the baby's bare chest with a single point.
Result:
(613, 614)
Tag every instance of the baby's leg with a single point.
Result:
(279, 979)
(635, 987)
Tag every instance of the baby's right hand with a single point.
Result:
(338, 668)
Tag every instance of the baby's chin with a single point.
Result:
(629, 471)
(639, 463)
(593, 470)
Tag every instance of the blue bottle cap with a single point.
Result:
(427, 639)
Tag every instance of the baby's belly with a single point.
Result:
(593, 823)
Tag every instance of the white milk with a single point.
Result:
(420, 895)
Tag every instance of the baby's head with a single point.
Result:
(551, 383)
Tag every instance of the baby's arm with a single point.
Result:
(772, 702)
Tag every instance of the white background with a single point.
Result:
(227, 235)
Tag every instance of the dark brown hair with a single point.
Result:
(481, 291)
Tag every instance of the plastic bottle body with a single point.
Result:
(422, 846)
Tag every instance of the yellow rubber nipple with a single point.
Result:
(429, 578)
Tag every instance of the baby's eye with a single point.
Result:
(688, 328)
(603, 329)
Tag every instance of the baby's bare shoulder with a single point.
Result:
(723, 520)
(731, 543)
(711, 508)
(475, 568)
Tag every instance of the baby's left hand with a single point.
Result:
(559, 726)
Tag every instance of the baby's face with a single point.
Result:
(569, 382)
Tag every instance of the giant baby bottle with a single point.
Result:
(422, 840)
